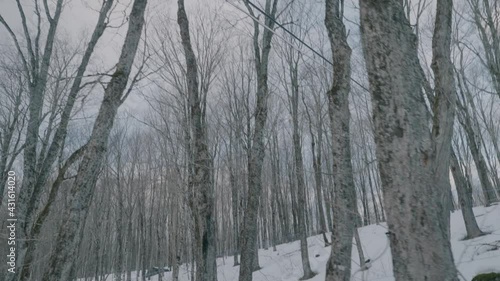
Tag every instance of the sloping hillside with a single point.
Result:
(472, 256)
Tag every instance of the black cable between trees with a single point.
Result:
(289, 32)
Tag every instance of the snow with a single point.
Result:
(472, 257)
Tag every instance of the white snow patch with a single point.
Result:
(480, 255)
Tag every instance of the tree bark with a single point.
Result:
(234, 206)
(248, 234)
(359, 247)
(73, 219)
(299, 173)
(413, 161)
(486, 20)
(318, 177)
(464, 192)
(344, 215)
(31, 193)
(36, 71)
(202, 201)
(481, 167)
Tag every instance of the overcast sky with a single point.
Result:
(78, 20)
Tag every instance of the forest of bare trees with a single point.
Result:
(147, 134)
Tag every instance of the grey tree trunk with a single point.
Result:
(70, 233)
(248, 234)
(202, 193)
(464, 192)
(10, 143)
(318, 180)
(175, 270)
(481, 167)
(485, 15)
(299, 172)
(318, 177)
(36, 69)
(118, 266)
(359, 247)
(413, 161)
(443, 107)
(33, 182)
(345, 213)
(234, 206)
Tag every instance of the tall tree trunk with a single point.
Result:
(234, 208)
(118, 266)
(443, 107)
(73, 218)
(131, 247)
(202, 201)
(31, 193)
(376, 179)
(413, 161)
(464, 192)
(364, 201)
(37, 73)
(293, 196)
(318, 180)
(344, 215)
(486, 20)
(359, 247)
(374, 199)
(299, 173)
(248, 235)
(318, 177)
(475, 150)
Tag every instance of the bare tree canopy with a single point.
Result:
(251, 140)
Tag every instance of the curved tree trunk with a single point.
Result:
(73, 219)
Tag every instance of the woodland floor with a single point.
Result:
(471, 256)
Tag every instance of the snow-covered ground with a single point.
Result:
(471, 256)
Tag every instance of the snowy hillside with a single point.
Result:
(472, 256)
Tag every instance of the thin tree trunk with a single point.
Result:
(318, 177)
(293, 197)
(234, 208)
(299, 173)
(479, 161)
(374, 199)
(464, 192)
(248, 235)
(119, 222)
(359, 247)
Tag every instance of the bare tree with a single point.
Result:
(469, 121)
(73, 219)
(487, 20)
(201, 185)
(12, 119)
(39, 156)
(291, 59)
(413, 160)
(248, 235)
(464, 191)
(345, 213)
